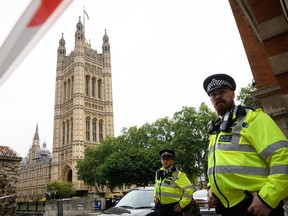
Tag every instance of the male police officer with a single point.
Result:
(173, 190)
(248, 156)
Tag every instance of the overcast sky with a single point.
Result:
(161, 51)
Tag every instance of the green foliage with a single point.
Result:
(132, 158)
(94, 157)
(245, 95)
(190, 140)
(63, 189)
(129, 167)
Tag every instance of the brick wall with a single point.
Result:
(255, 51)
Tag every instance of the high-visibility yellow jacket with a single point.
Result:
(173, 188)
(252, 156)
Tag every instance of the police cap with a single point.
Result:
(218, 81)
(167, 153)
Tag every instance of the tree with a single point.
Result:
(94, 157)
(191, 139)
(132, 158)
(62, 189)
(118, 161)
(129, 167)
(245, 95)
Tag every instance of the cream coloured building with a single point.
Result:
(83, 116)
(83, 113)
(35, 171)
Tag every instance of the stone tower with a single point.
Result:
(83, 113)
(34, 148)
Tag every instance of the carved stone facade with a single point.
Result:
(35, 172)
(83, 116)
(83, 113)
(9, 171)
(263, 27)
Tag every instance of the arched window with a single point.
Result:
(68, 90)
(88, 128)
(68, 132)
(72, 87)
(71, 129)
(69, 176)
(93, 87)
(64, 93)
(100, 130)
(87, 86)
(63, 133)
(99, 88)
(94, 129)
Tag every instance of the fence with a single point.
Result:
(36, 206)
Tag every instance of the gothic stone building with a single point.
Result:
(35, 171)
(83, 116)
(83, 112)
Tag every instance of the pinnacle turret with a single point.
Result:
(36, 137)
(79, 34)
(62, 48)
(105, 45)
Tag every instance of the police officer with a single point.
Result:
(173, 190)
(248, 156)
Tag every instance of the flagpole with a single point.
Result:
(84, 18)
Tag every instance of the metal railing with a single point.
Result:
(37, 206)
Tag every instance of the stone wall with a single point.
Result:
(80, 206)
(9, 170)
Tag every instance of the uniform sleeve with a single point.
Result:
(187, 189)
(272, 146)
(155, 185)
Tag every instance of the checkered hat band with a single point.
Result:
(214, 83)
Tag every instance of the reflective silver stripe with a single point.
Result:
(235, 138)
(188, 195)
(279, 169)
(210, 151)
(188, 187)
(177, 196)
(172, 182)
(168, 185)
(237, 129)
(175, 177)
(236, 147)
(158, 193)
(169, 195)
(269, 150)
(239, 170)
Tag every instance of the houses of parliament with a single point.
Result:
(83, 116)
